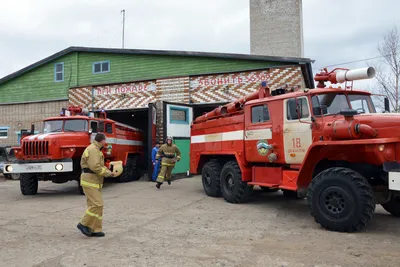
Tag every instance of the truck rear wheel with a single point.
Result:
(131, 171)
(28, 184)
(393, 206)
(341, 200)
(210, 175)
(15, 176)
(233, 189)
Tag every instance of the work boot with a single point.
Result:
(84, 229)
(98, 234)
(158, 185)
(169, 182)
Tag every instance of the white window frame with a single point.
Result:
(58, 72)
(6, 130)
(101, 67)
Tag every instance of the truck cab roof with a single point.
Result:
(308, 92)
(77, 117)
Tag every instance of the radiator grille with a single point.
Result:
(36, 149)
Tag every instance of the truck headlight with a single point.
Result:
(8, 168)
(59, 167)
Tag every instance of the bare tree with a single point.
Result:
(388, 71)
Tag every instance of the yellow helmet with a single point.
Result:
(116, 168)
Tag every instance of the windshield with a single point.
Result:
(76, 126)
(361, 103)
(52, 126)
(69, 126)
(332, 104)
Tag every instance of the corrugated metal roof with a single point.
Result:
(72, 49)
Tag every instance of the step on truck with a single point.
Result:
(327, 144)
(55, 153)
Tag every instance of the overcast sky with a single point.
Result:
(334, 31)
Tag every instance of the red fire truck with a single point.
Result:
(327, 144)
(54, 154)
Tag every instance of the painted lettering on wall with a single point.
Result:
(125, 89)
(232, 79)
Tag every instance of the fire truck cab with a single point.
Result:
(326, 144)
(54, 154)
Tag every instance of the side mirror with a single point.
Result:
(320, 110)
(324, 109)
(387, 106)
(32, 128)
(90, 131)
(348, 112)
(317, 111)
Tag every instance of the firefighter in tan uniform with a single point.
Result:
(92, 178)
(169, 154)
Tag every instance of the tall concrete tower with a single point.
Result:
(276, 28)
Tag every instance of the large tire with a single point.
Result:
(15, 176)
(28, 184)
(131, 171)
(210, 175)
(341, 200)
(233, 189)
(393, 206)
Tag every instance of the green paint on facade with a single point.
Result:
(38, 84)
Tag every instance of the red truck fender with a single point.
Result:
(332, 150)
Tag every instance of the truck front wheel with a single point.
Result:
(28, 183)
(393, 206)
(341, 200)
(233, 189)
(131, 171)
(210, 178)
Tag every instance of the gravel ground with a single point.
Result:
(180, 226)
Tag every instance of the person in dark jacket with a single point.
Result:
(156, 162)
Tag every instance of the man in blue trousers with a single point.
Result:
(156, 163)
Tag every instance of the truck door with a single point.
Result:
(296, 129)
(258, 133)
(178, 118)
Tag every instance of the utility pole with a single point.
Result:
(123, 28)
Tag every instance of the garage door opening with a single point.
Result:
(137, 118)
